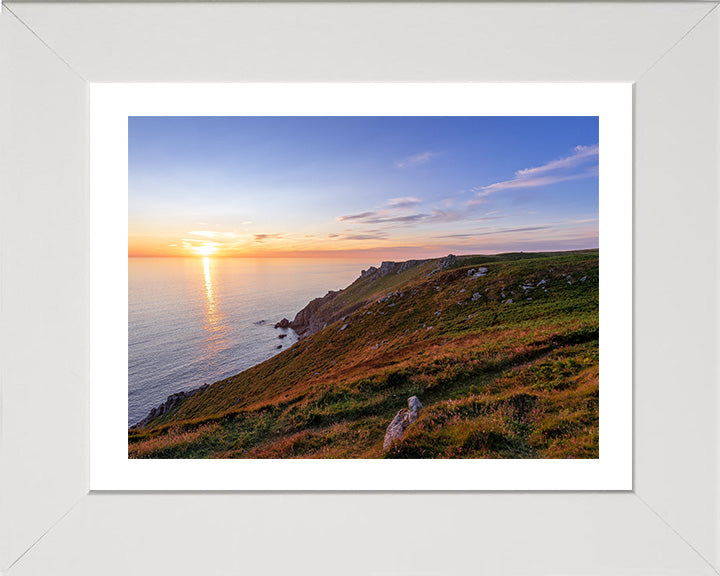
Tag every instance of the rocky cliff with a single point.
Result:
(322, 312)
(314, 317)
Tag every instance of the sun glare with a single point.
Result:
(205, 250)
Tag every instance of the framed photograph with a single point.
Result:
(432, 236)
(458, 322)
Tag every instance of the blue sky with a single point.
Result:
(396, 187)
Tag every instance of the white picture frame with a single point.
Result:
(50, 523)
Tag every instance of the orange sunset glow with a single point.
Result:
(376, 188)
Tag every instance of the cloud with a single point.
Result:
(365, 237)
(471, 235)
(416, 159)
(583, 221)
(555, 171)
(396, 219)
(579, 155)
(389, 217)
(380, 218)
(406, 202)
(397, 215)
(260, 238)
(360, 216)
(534, 182)
(408, 218)
(205, 233)
(360, 235)
(528, 229)
(493, 232)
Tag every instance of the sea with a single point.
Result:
(193, 321)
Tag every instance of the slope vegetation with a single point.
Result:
(502, 351)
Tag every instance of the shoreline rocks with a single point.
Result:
(171, 402)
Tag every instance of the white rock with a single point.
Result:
(402, 420)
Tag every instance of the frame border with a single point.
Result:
(681, 538)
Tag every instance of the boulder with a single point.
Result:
(479, 273)
(402, 420)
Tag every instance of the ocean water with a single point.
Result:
(198, 320)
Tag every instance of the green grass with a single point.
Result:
(497, 379)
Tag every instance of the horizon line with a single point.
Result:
(351, 254)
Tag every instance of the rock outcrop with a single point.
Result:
(322, 312)
(402, 420)
(388, 268)
(172, 402)
(444, 264)
(314, 317)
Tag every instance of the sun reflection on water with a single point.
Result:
(214, 321)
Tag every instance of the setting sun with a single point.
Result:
(205, 250)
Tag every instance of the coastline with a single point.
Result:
(313, 317)
(340, 305)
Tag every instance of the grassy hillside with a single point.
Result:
(505, 363)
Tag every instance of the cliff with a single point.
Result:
(321, 312)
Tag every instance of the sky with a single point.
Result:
(380, 188)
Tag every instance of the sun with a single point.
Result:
(205, 250)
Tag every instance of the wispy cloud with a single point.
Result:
(360, 235)
(260, 238)
(388, 218)
(365, 237)
(360, 216)
(416, 159)
(578, 156)
(535, 182)
(494, 232)
(560, 170)
(406, 202)
(396, 219)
